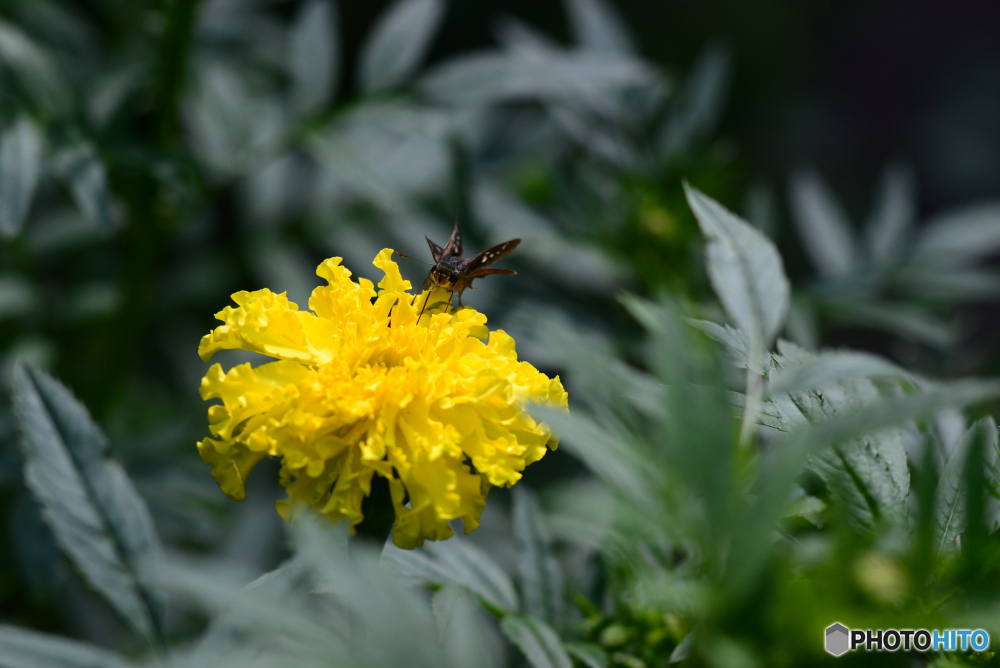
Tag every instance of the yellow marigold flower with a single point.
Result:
(363, 387)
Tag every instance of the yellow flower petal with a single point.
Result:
(373, 383)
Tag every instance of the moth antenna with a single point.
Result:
(412, 258)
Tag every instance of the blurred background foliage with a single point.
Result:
(156, 156)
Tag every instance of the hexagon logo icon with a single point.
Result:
(837, 639)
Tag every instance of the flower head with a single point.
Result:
(365, 385)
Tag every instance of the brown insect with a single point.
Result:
(454, 273)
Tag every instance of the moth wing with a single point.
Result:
(454, 246)
(491, 255)
(486, 271)
(436, 250)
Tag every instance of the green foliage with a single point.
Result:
(725, 486)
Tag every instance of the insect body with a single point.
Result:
(454, 273)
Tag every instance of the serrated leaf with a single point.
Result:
(950, 511)
(746, 271)
(20, 168)
(537, 641)
(894, 214)
(598, 27)
(398, 43)
(868, 475)
(21, 648)
(734, 340)
(541, 574)
(823, 228)
(35, 549)
(780, 467)
(456, 562)
(824, 368)
(314, 56)
(476, 570)
(79, 166)
(98, 518)
(589, 654)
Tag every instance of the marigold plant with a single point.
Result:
(364, 385)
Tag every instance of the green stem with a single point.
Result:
(151, 221)
(172, 68)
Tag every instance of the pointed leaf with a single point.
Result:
(83, 172)
(96, 514)
(823, 228)
(703, 100)
(598, 27)
(537, 641)
(541, 575)
(745, 269)
(828, 367)
(474, 569)
(589, 654)
(20, 167)
(398, 43)
(894, 215)
(314, 56)
(950, 511)
(961, 236)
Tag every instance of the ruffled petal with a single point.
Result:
(374, 383)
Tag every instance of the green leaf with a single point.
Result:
(457, 562)
(473, 568)
(592, 656)
(961, 236)
(816, 371)
(20, 168)
(491, 77)
(233, 630)
(537, 641)
(98, 518)
(607, 453)
(398, 43)
(541, 575)
(894, 214)
(734, 340)
(35, 70)
(35, 549)
(598, 27)
(314, 56)
(457, 614)
(703, 100)
(868, 475)
(903, 320)
(83, 172)
(745, 269)
(21, 648)
(950, 510)
(824, 229)
(780, 467)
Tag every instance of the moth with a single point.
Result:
(454, 273)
